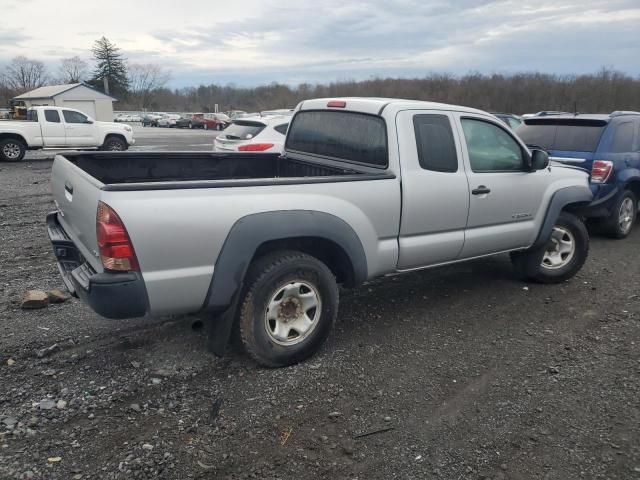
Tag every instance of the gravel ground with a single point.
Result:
(455, 373)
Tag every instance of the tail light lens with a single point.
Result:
(255, 147)
(114, 244)
(601, 170)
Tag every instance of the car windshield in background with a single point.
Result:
(565, 135)
(350, 136)
(243, 130)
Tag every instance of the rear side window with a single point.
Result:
(240, 130)
(622, 141)
(349, 136)
(434, 139)
(567, 136)
(32, 115)
(281, 128)
(52, 116)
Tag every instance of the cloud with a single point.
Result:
(303, 40)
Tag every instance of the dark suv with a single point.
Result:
(608, 146)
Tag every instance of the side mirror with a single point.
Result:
(539, 160)
(89, 120)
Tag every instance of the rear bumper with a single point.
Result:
(112, 295)
(604, 199)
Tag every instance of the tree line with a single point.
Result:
(144, 87)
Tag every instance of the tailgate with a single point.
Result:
(77, 194)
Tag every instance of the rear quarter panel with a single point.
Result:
(178, 234)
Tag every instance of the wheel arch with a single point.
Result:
(322, 235)
(14, 136)
(571, 199)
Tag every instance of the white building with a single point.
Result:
(74, 95)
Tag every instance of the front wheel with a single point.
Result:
(289, 306)
(561, 258)
(114, 144)
(620, 223)
(12, 150)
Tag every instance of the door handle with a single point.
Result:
(68, 187)
(481, 190)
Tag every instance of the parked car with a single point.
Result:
(513, 121)
(545, 113)
(254, 134)
(55, 127)
(135, 118)
(186, 120)
(150, 119)
(280, 111)
(233, 114)
(367, 187)
(221, 120)
(168, 120)
(607, 146)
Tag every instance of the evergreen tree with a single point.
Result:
(110, 65)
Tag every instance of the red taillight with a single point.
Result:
(255, 147)
(337, 104)
(114, 244)
(601, 170)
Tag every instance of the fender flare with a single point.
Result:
(251, 231)
(575, 195)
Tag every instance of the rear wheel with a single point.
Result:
(12, 150)
(620, 223)
(289, 306)
(561, 258)
(114, 144)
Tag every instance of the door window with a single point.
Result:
(491, 149)
(434, 140)
(52, 116)
(74, 117)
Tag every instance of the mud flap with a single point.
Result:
(220, 326)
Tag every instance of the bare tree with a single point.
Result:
(145, 80)
(24, 74)
(73, 70)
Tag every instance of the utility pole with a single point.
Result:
(105, 81)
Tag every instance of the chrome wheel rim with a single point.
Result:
(625, 215)
(292, 313)
(560, 249)
(11, 150)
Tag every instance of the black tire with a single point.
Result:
(114, 144)
(12, 150)
(612, 226)
(533, 265)
(265, 280)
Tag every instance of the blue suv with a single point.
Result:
(607, 146)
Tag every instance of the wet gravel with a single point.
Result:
(458, 373)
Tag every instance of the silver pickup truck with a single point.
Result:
(366, 187)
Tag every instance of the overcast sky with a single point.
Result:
(255, 42)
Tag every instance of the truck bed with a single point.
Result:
(127, 171)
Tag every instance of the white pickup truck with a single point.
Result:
(55, 127)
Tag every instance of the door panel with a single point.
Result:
(53, 131)
(79, 133)
(435, 192)
(505, 199)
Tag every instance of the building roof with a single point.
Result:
(55, 90)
